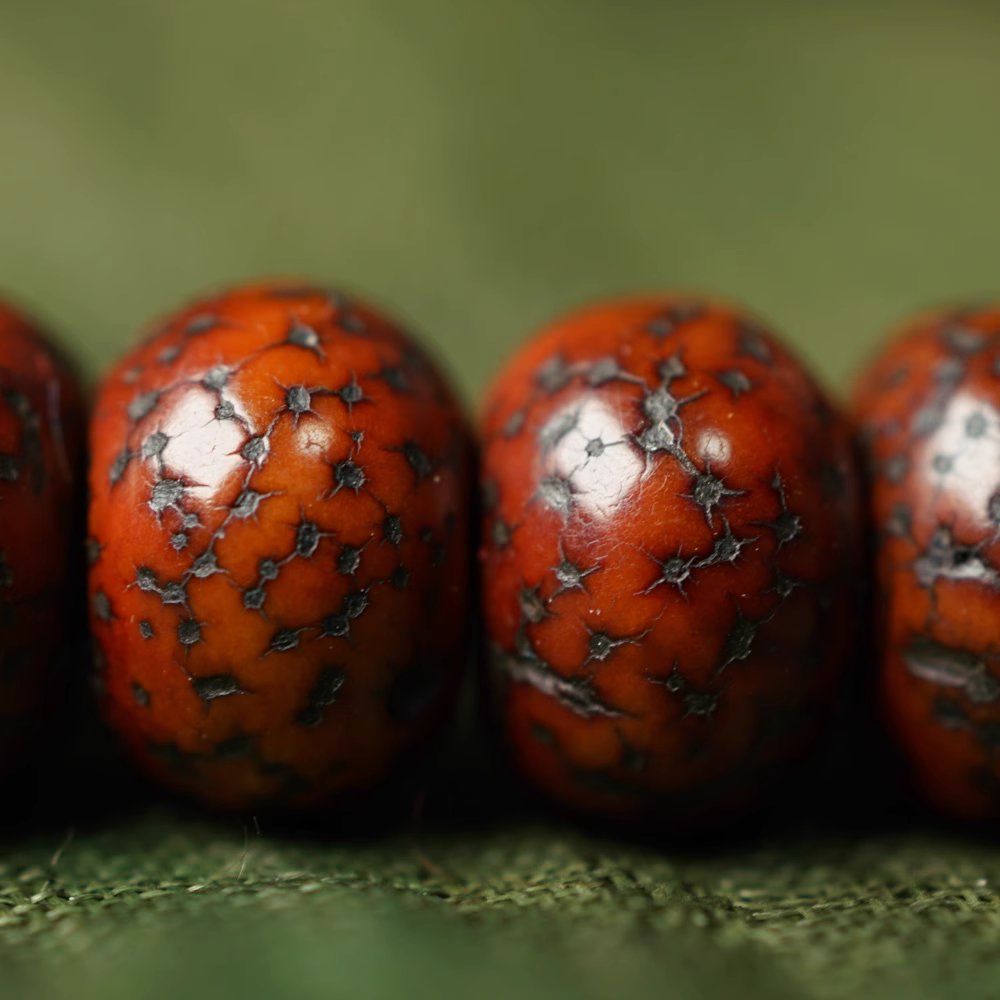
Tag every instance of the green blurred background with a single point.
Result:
(476, 168)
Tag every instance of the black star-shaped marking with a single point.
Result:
(355, 603)
(200, 324)
(350, 393)
(349, 560)
(708, 491)
(254, 598)
(669, 320)
(554, 374)
(214, 686)
(205, 565)
(298, 401)
(189, 632)
(307, 539)
(963, 340)
(976, 425)
(337, 626)
(726, 548)
(166, 493)
(248, 503)
(896, 467)
(899, 523)
(216, 378)
(268, 569)
(323, 694)
(787, 526)
(102, 606)
(394, 376)
(556, 493)
(417, 459)
(554, 430)
(605, 370)
(514, 424)
(601, 645)
(392, 529)
(143, 404)
(736, 381)
(285, 640)
(569, 575)
(173, 592)
(675, 571)
(501, 533)
(347, 474)
(739, 640)
(532, 605)
(304, 336)
(255, 449)
(154, 445)
(753, 344)
(118, 466)
(784, 585)
(225, 410)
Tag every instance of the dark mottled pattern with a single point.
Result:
(277, 464)
(928, 411)
(40, 494)
(671, 518)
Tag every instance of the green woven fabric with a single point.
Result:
(477, 167)
(167, 906)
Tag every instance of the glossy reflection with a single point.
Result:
(593, 453)
(962, 456)
(715, 448)
(203, 448)
(317, 437)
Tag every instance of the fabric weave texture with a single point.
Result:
(165, 904)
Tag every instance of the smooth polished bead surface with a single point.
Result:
(670, 559)
(279, 540)
(41, 479)
(928, 409)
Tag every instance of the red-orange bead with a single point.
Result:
(41, 451)
(670, 556)
(280, 526)
(928, 410)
